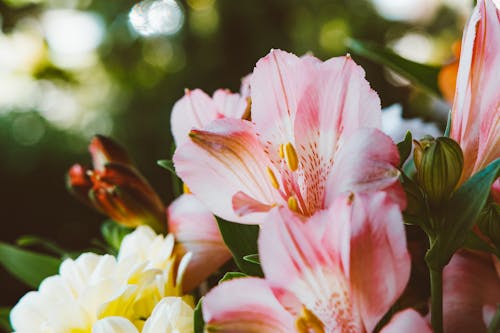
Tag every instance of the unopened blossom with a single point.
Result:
(338, 271)
(100, 288)
(116, 188)
(313, 135)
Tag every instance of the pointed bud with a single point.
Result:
(124, 195)
(79, 184)
(104, 150)
(439, 165)
(488, 223)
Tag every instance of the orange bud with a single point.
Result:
(78, 183)
(104, 150)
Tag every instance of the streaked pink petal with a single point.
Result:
(379, 260)
(495, 191)
(470, 283)
(194, 110)
(230, 105)
(196, 229)
(367, 160)
(222, 160)
(476, 108)
(407, 321)
(245, 305)
(302, 271)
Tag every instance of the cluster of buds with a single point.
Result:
(115, 187)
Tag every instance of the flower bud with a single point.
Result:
(489, 223)
(125, 196)
(104, 150)
(79, 184)
(439, 165)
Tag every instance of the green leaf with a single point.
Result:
(404, 148)
(241, 239)
(30, 240)
(253, 258)
(199, 323)
(232, 275)
(29, 267)
(113, 233)
(495, 322)
(4, 319)
(422, 75)
(474, 242)
(461, 214)
(168, 165)
(448, 125)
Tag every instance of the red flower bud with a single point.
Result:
(104, 150)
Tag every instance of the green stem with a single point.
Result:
(437, 300)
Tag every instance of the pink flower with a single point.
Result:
(196, 230)
(313, 135)
(476, 110)
(192, 224)
(337, 271)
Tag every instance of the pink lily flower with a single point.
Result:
(192, 224)
(475, 122)
(338, 271)
(313, 134)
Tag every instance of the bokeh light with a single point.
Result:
(156, 17)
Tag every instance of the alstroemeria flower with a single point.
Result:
(475, 122)
(116, 188)
(337, 271)
(313, 135)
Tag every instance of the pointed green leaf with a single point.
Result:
(461, 214)
(4, 319)
(448, 125)
(422, 75)
(241, 239)
(199, 323)
(404, 148)
(232, 275)
(495, 322)
(168, 165)
(253, 258)
(29, 267)
(30, 240)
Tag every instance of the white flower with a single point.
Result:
(100, 288)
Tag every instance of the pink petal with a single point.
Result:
(194, 110)
(495, 191)
(470, 284)
(230, 105)
(407, 321)
(366, 161)
(224, 159)
(245, 305)
(302, 271)
(196, 229)
(278, 83)
(379, 261)
(476, 108)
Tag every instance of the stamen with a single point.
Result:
(185, 189)
(272, 177)
(293, 204)
(308, 322)
(282, 151)
(301, 325)
(291, 157)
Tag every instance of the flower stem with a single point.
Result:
(436, 299)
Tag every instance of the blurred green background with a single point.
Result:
(72, 68)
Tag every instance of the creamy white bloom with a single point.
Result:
(93, 287)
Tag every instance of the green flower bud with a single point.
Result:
(489, 223)
(439, 163)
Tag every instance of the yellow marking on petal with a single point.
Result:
(293, 204)
(308, 322)
(186, 189)
(291, 157)
(272, 177)
(301, 325)
(282, 151)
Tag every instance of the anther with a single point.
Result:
(291, 157)
(293, 204)
(272, 177)
(185, 189)
(282, 151)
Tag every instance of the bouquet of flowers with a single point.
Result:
(297, 213)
